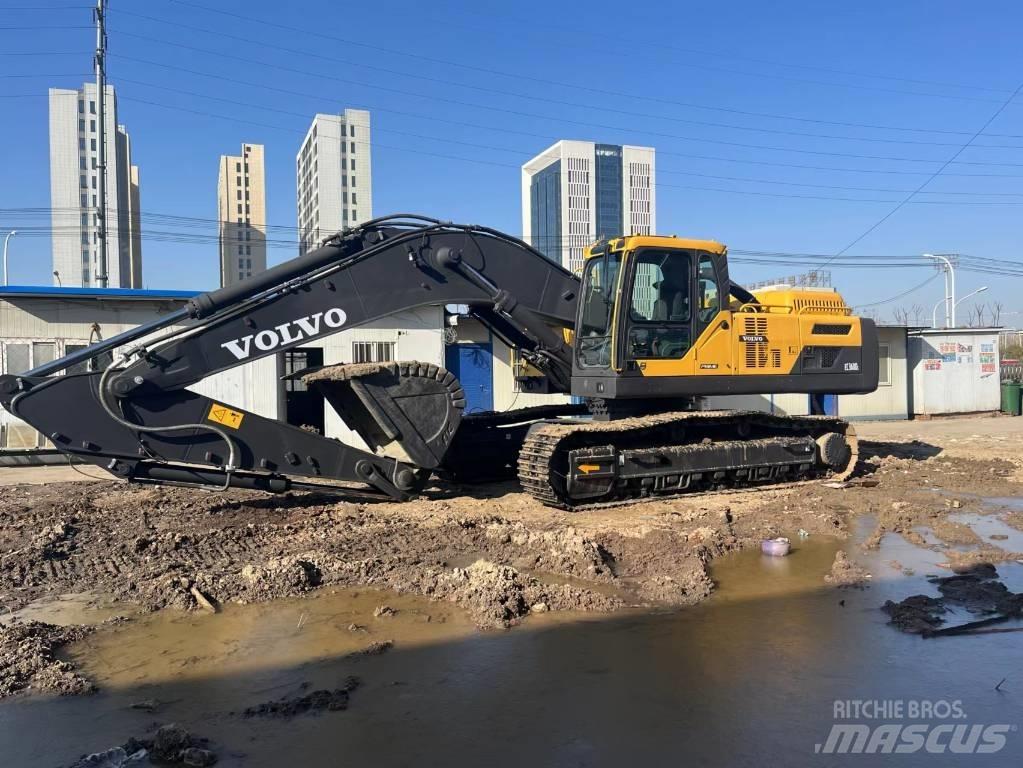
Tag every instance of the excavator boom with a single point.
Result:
(653, 324)
(137, 419)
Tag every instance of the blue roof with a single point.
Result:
(71, 292)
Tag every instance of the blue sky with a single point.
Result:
(737, 98)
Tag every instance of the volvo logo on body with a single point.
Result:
(286, 333)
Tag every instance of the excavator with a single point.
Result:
(651, 327)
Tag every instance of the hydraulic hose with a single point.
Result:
(232, 457)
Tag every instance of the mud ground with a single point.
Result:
(492, 550)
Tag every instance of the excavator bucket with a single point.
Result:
(418, 406)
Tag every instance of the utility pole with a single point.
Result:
(100, 62)
(950, 286)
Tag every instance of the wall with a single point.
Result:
(954, 371)
(890, 400)
(417, 335)
(253, 387)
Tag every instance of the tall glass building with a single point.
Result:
(577, 192)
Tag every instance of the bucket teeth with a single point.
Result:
(416, 405)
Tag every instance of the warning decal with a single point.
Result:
(221, 414)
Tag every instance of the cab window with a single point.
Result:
(660, 305)
(709, 301)
(600, 281)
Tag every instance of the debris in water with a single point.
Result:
(974, 588)
(373, 649)
(172, 745)
(383, 610)
(317, 701)
(778, 547)
(916, 614)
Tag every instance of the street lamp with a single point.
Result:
(6, 240)
(934, 312)
(56, 274)
(964, 298)
(950, 287)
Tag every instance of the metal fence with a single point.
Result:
(1014, 372)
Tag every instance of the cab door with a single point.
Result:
(712, 323)
(655, 337)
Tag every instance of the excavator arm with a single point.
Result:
(137, 418)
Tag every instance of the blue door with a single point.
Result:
(473, 364)
(824, 405)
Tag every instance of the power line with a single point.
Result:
(459, 158)
(566, 120)
(933, 176)
(334, 39)
(502, 129)
(46, 53)
(419, 76)
(898, 296)
(716, 53)
(527, 153)
(485, 70)
(603, 108)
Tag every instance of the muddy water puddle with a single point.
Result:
(749, 677)
(65, 610)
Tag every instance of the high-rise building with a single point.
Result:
(334, 176)
(577, 192)
(74, 159)
(241, 211)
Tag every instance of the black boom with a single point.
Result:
(137, 419)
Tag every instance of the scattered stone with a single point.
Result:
(356, 628)
(538, 608)
(147, 705)
(383, 611)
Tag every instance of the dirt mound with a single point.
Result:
(846, 573)
(28, 661)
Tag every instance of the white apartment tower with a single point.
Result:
(241, 213)
(74, 158)
(334, 176)
(577, 192)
